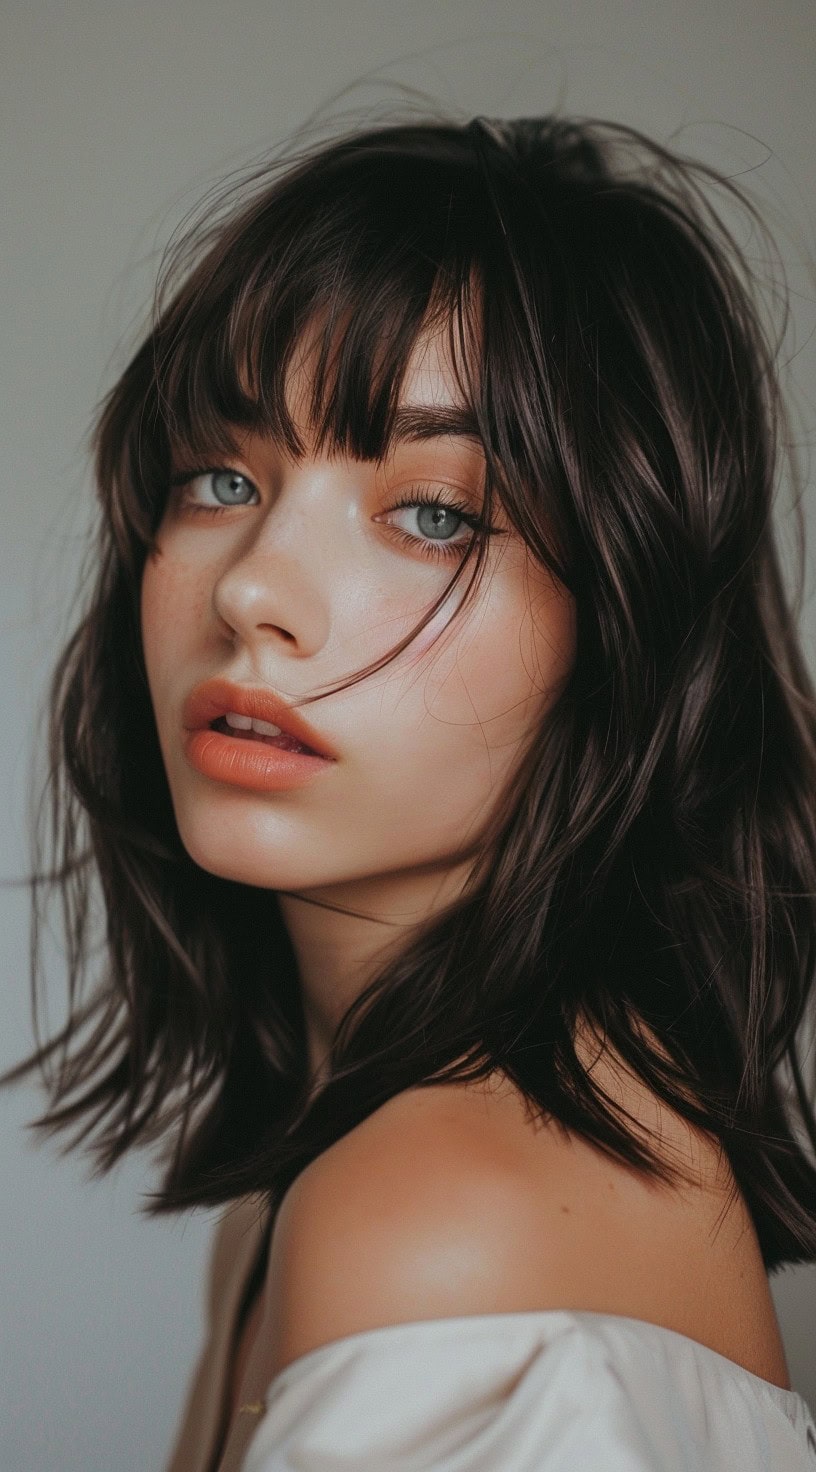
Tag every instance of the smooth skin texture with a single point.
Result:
(448, 1200)
(451, 1201)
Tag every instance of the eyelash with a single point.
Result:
(418, 496)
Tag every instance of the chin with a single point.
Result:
(249, 857)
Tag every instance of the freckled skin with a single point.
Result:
(306, 587)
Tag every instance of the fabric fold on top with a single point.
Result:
(544, 1391)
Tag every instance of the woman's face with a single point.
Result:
(307, 574)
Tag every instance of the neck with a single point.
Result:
(341, 934)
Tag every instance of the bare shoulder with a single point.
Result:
(404, 1218)
(454, 1200)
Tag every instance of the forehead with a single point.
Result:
(432, 374)
(336, 387)
(434, 378)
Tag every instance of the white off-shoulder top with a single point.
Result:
(553, 1390)
(545, 1391)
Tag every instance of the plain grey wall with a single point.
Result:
(115, 117)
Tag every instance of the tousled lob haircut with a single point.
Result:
(650, 871)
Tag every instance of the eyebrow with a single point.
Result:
(418, 422)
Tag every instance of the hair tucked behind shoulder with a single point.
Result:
(651, 872)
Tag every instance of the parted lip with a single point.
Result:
(213, 698)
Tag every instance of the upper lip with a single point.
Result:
(213, 698)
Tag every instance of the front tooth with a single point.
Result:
(240, 723)
(265, 728)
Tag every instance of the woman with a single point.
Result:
(468, 991)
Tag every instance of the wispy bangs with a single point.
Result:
(352, 276)
(349, 259)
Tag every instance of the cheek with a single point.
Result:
(504, 666)
(453, 732)
(173, 602)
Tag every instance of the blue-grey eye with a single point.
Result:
(436, 521)
(229, 487)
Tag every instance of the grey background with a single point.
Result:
(115, 118)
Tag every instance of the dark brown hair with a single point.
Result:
(652, 868)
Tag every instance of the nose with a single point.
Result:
(276, 585)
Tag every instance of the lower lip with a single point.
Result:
(250, 764)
